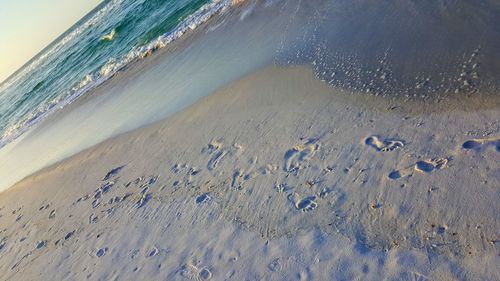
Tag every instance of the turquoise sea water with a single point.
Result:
(114, 34)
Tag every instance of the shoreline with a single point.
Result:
(276, 154)
(151, 90)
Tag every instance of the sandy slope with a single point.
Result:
(275, 177)
(434, 51)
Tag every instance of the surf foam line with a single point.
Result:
(93, 80)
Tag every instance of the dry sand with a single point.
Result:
(275, 177)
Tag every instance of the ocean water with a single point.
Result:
(110, 37)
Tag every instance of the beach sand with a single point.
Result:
(276, 176)
(281, 140)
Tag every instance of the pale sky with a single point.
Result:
(28, 26)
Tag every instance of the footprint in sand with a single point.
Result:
(113, 173)
(384, 144)
(176, 168)
(96, 203)
(106, 187)
(190, 271)
(134, 182)
(188, 179)
(275, 265)
(237, 179)
(175, 184)
(193, 171)
(152, 180)
(218, 153)
(41, 244)
(93, 218)
(295, 157)
(44, 207)
(204, 274)
(216, 158)
(97, 194)
(135, 253)
(203, 198)
(268, 169)
(187, 175)
(114, 200)
(144, 200)
(423, 166)
(69, 235)
(303, 204)
(480, 144)
(282, 187)
(101, 252)
(144, 190)
(153, 252)
(430, 165)
(83, 198)
(215, 148)
(52, 214)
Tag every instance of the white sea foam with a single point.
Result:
(110, 36)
